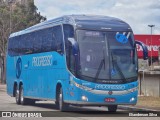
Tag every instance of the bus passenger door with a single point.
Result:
(72, 57)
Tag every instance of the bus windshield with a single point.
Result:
(107, 57)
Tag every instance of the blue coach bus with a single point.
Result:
(74, 60)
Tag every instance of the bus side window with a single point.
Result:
(21, 45)
(16, 46)
(10, 47)
(47, 40)
(37, 42)
(14, 49)
(58, 38)
(53, 43)
(28, 43)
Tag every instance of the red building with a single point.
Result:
(153, 45)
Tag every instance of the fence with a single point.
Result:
(149, 83)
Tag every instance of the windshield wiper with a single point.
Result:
(114, 63)
(100, 67)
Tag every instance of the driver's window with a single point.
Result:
(69, 33)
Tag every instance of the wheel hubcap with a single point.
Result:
(22, 95)
(60, 100)
(17, 95)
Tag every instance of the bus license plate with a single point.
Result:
(109, 100)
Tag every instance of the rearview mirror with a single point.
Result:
(145, 49)
(74, 52)
(74, 46)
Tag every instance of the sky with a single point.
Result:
(137, 13)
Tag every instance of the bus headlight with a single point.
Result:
(132, 99)
(84, 98)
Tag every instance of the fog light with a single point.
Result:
(132, 99)
(84, 98)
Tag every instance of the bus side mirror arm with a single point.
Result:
(74, 46)
(144, 47)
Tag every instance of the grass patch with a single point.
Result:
(148, 101)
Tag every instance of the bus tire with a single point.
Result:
(23, 100)
(62, 106)
(17, 95)
(112, 108)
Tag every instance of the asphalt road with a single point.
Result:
(7, 103)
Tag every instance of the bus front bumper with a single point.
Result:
(91, 99)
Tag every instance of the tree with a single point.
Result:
(13, 18)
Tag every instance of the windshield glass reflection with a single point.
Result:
(106, 56)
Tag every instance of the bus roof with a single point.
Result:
(93, 22)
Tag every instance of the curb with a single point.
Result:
(134, 108)
(3, 87)
(2, 90)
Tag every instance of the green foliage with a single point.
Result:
(13, 18)
(25, 16)
(16, 17)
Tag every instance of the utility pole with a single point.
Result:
(151, 26)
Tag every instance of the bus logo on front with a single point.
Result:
(121, 38)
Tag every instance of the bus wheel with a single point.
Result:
(17, 96)
(62, 106)
(112, 108)
(23, 100)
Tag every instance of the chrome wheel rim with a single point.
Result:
(17, 95)
(60, 100)
(22, 95)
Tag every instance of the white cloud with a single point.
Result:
(138, 13)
